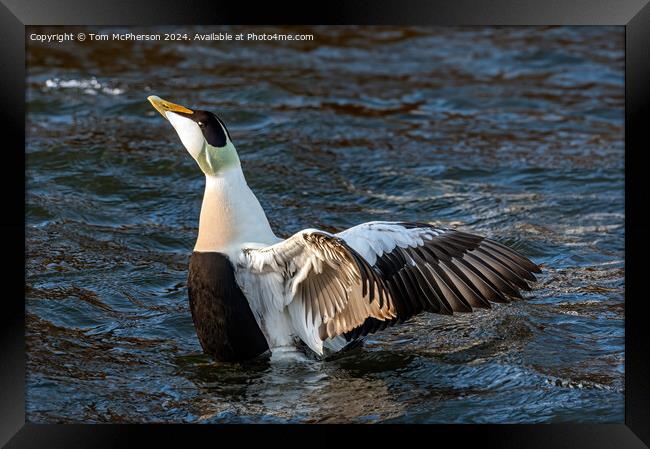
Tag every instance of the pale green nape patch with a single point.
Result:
(212, 160)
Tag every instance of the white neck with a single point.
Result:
(230, 214)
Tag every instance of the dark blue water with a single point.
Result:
(514, 133)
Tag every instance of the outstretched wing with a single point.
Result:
(437, 270)
(378, 274)
(327, 287)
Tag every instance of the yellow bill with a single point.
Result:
(163, 106)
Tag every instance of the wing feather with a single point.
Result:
(438, 270)
(331, 289)
(379, 274)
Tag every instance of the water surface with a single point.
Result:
(515, 133)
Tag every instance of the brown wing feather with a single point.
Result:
(453, 271)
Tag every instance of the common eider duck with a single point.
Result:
(251, 291)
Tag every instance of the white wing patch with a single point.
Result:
(376, 238)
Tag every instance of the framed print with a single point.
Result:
(422, 214)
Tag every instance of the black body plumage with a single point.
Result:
(224, 322)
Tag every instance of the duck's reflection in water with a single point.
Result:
(291, 387)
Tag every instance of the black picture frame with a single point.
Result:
(634, 15)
